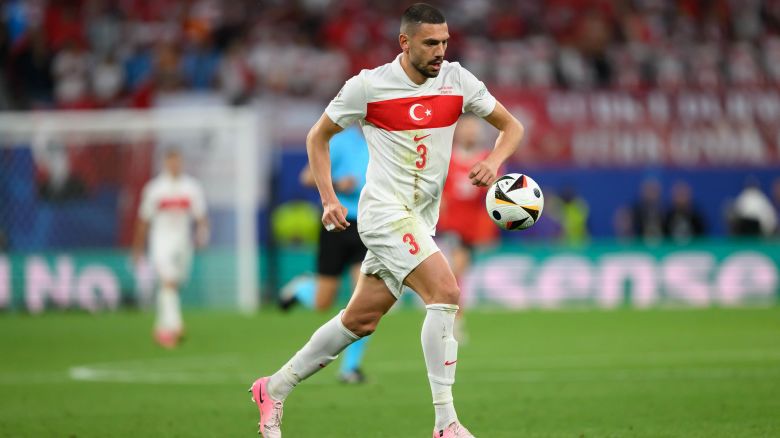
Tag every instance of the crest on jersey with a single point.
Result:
(420, 113)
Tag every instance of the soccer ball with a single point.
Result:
(514, 202)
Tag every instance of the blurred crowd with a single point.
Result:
(100, 53)
(664, 214)
(74, 54)
(752, 213)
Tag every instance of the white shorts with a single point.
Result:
(395, 250)
(172, 263)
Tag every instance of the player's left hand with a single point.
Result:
(483, 173)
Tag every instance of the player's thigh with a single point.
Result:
(434, 281)
(170, 264)
(370, 301)
(395, 250)
(184, 262)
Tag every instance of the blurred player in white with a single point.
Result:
(408, 110)
(169, 204)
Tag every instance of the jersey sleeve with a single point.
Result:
(148, 206)
(350, 104)
(476, 97)
(198, 201)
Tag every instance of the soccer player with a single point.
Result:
(338, 252)
(169, 203)
(408, 110)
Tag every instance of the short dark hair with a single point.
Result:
(420, 13)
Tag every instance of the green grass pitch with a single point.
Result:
(674, 373)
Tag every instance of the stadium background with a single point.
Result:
(615, 95)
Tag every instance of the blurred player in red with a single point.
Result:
(169, 204)
(463, 223)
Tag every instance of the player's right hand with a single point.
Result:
(334, 217)
(483, 173)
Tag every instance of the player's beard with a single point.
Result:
(424, 68)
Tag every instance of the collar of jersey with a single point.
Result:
(168, 176)
(399, 71)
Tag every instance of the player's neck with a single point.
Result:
(410, 71)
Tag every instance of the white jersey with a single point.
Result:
(409, 130)
(170, 204)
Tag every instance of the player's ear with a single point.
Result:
(403, 41)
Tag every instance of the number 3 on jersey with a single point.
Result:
(415, 248)
(423, 160)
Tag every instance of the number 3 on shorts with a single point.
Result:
(415, 248)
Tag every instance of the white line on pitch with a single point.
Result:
(648, 366)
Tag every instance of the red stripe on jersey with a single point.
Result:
(174, 203)
(408, 113)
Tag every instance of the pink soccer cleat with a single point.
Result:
(166, 338)
(454, 430)
(270, 425)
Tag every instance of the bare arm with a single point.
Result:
(202, 231)
(510, 134)
(334, 214)
(348, 184)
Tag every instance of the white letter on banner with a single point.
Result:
(96, 280)
(686, 277)
(619, 268)
(503, 280)
(747, 274)
(564, 278)
(5, 283)
(41, 283)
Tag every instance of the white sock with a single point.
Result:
(168, 309)
(441, 352)
(323, 348)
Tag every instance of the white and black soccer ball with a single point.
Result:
(514, 202)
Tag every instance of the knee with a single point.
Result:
(363, 324)
(447, 295)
